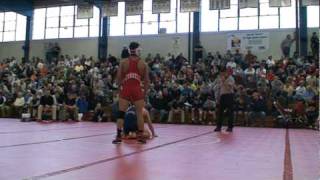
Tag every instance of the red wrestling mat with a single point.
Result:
(84, 151)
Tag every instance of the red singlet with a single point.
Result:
(131, 83)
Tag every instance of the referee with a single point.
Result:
(224, 90)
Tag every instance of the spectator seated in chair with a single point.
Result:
(241, 105)
(176, 108)
(82, 105)
(19, 105)
(209, 108)
(47, 106)
(98, 113)
(257, 108)
(70, 107)
(3, 106)
(33, 104)
(159, 105)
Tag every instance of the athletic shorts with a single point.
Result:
(132, 93)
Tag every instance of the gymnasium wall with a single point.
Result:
(162, 44)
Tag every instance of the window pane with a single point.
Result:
(288, 16)
(133, 26)
(66, 21)
(133, 29)
(232, 12)
(209, 18)
(1, 26)
(150, 28)
(38, 23)
(94, 31)
(269, 22)
(249, 12)
(53, 12)
(1, 16)
(66, 32)
(10, 16)
(248, 23)
(266, 10)
(168, 20)
(1, 35)
(313, 16)
(183, 21)
(21, 28)
(67, 10)
(82, 22)
(81, 31)
(228, 24)
(10, 26)
(52, 22)
(170, 26)
(96, 14)
(150, 25)
(52, 33)
(117, 23)
(9, 36)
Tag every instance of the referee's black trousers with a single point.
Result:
(225, 110)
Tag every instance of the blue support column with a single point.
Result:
(196, 32)
(303, 31)
(26, 47)
(103, 40)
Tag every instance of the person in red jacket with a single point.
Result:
(132, 73)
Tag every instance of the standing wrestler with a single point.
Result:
(131, 74)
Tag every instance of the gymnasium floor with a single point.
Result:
(83, 151)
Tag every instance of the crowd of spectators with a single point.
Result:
(67, 87)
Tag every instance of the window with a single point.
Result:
(288, 16)
(61, 22)
(21, 28)
(133, 26)
(150, 21)
(168, 20)
(183, 20)
(269, 22)
(229, 17)
(313, 16)
(66, 22)
(117, 23)
(269, 17)
(248, 19)
(94, 23)
(81, 28)
(52, 23)
(1, 25)
(209, 18)
(39, 21)
(9, 26)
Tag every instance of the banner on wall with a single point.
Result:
(279, 3)
(248, 4)
(219, 4)
(84, 11)
(110, 8)
(189, 5)
(255, 41)
(161, 6)
(310, 2)
(134, 7)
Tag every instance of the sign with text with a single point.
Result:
(161, 6)
(84, 11)
(189, 5)
(219, 4)
(255, 41)
(134, 7)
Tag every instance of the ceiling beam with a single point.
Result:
(24, 7)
